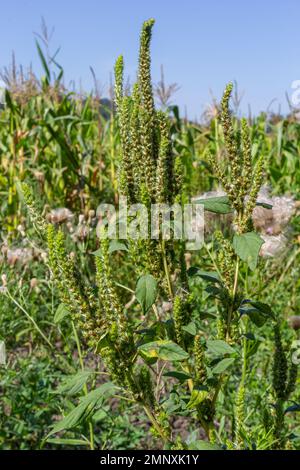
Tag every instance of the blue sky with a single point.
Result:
(202, 44)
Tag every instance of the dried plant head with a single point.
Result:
(294, 322)
(60, 215)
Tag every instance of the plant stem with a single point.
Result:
(85, 389)
(29, 318)
(213, 260)
(156, 425)
(233, 294)
(166, 268)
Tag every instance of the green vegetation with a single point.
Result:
(136, 344)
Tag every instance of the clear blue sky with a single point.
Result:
(202, 44)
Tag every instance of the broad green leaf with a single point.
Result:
(146, 291)
(217, 346)
(97, 252)
(149, 350)
(181, 376)
(76, 416)
(263, 308)
(255, 315)
(258, 312)
(223, 365)
(163, 349)
(115, 245)
(61, 313)
(218, 205)
(74, 384)
(207, 276)
(170, 351)
(190, 328)
(96, 396)
(214, 291)
(247, 247)
(202, 445)
(85, 409)
(197, 397)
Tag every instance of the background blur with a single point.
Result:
(202, 44)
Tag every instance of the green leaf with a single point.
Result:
(218, 205)
(252, 347)
(292, 408)
(218, 346)
(255, 315)
(181, 376)
(9, 102)
(215, 291)
(250, 336)
(85, 409)
(247, 247)
(97, 253)
(190, 328)
(146, 291)
(44, 62)
(163, 349)
(223, 365)
(265, 205)
(61, 313)
(68, 442)
(115, 245)
(207, 276)
(97, 396)
(103, 342)
(202, 445)
(149, 350)
(197, 397)
(258, 312)
(265, 309)
(77, 415)
(100, 415)
(205, 315)
(74, 384)
(170, 351)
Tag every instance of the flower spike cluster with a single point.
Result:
(147, 164)
(243, 182)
